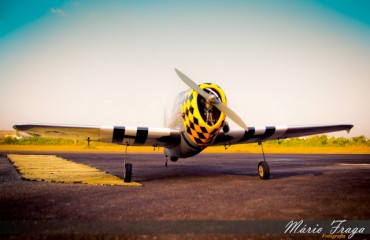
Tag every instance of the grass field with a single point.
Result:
(319, 144)
(244, 148)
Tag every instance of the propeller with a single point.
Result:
(212, 99)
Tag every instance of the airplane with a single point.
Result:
(198, 121)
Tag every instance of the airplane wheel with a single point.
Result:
(128, 172)
(263, 170)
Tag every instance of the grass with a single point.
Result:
(254, 148)
(244, 148)
(312, 145)
(73, 148)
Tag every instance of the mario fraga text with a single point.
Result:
(337, 227)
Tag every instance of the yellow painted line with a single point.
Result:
(361, 165)
(51, 168)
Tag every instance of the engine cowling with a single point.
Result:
(202, 121)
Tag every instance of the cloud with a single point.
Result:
(59, 12)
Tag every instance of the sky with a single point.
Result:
(112, 62)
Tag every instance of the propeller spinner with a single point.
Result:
(211, 99)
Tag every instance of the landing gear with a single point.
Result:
(263, 167)
(127, 172)
(263, 170)
(173, 159)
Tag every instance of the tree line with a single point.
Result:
(322, 141)
(313, 141)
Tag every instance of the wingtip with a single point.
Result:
(349, 128)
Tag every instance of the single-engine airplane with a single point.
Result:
(197, 122)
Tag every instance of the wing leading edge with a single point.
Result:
(166, 137)
(256, 134)
(134, 136)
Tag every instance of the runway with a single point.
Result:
(208, 187)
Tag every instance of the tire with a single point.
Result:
(128, 172)
(263, 170)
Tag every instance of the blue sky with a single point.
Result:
(112, 62)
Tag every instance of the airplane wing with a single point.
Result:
(256, 134)
(134, 136)
(166, 137)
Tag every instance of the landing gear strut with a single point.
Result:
(173, 159)
(166, 161)
(127, 172)
(263, 167)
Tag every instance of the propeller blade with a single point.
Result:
(209, 97)
(231, 114)
(193, 85)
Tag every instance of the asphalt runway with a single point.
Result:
(208, 188)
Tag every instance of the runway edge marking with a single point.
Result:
(50, 168)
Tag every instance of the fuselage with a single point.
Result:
(198, 121)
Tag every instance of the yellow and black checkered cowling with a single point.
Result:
(198, 131)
